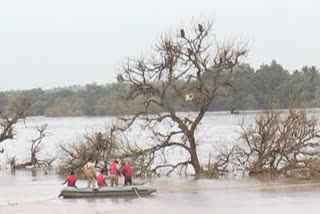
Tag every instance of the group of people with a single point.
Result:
(114, 174)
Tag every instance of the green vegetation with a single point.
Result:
(270, 84)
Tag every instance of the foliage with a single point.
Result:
(270, 84)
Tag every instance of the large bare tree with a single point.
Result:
(192, 67)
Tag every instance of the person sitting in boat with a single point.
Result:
(71, 180)
(101, 179)
(114, 173)
(90, 174)
(127, 173)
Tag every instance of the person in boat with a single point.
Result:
(71, 180)
(90, 174)
(114, 173)
(101, 179)
(127, 173)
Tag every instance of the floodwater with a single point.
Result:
(27, 192)
(216, 127)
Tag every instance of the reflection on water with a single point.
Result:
(23, 193)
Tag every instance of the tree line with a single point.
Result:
(271, 83)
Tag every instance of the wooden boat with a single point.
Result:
(136, 190)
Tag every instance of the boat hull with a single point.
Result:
(105, 192)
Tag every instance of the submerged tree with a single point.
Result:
(192, 68)
(279, 142)
(8, 118)
(97, 147)
(36, 144)
(35, 147)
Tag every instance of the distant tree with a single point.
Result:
(241, 97)
(66, 106)
(192, 64)
(304, 86)
(90, 96)
(310, 84)
(271, 83)
(38, 100)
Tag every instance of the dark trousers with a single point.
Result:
(127, 181)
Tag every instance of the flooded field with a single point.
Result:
(27, 194)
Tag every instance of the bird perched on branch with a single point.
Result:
(230, 64)
(190, 52)
(200, 28)
(120, 78)
(182, 33)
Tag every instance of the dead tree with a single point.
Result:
(35, 147)
(192, 62)
(37, 142)
(98, 147)
(8, 119)
(278, 142)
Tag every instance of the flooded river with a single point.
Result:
(30, 193)
(26, 194)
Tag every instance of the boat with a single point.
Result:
(107, 191)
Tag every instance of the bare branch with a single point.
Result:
(189, 63)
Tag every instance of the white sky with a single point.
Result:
(53, 43)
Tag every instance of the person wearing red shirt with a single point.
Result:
(114, 173)
(101, 179)
(71, 180)
(127, 173)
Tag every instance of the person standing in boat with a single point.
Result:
(90, 174)
(71, 180)
(114, 173)
(101, 179)
(127, 173)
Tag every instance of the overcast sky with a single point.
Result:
(53, 43)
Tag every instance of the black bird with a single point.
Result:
(230, 64)
(120, 78)
(190, 52)
(200, 28)
(183, 34)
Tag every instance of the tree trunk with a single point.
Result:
(194, 157)
(195, 163)
(33, 158)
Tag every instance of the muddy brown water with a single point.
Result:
(30, 193)
(23, 193)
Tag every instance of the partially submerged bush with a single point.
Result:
(98, 147)
(280, 142)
